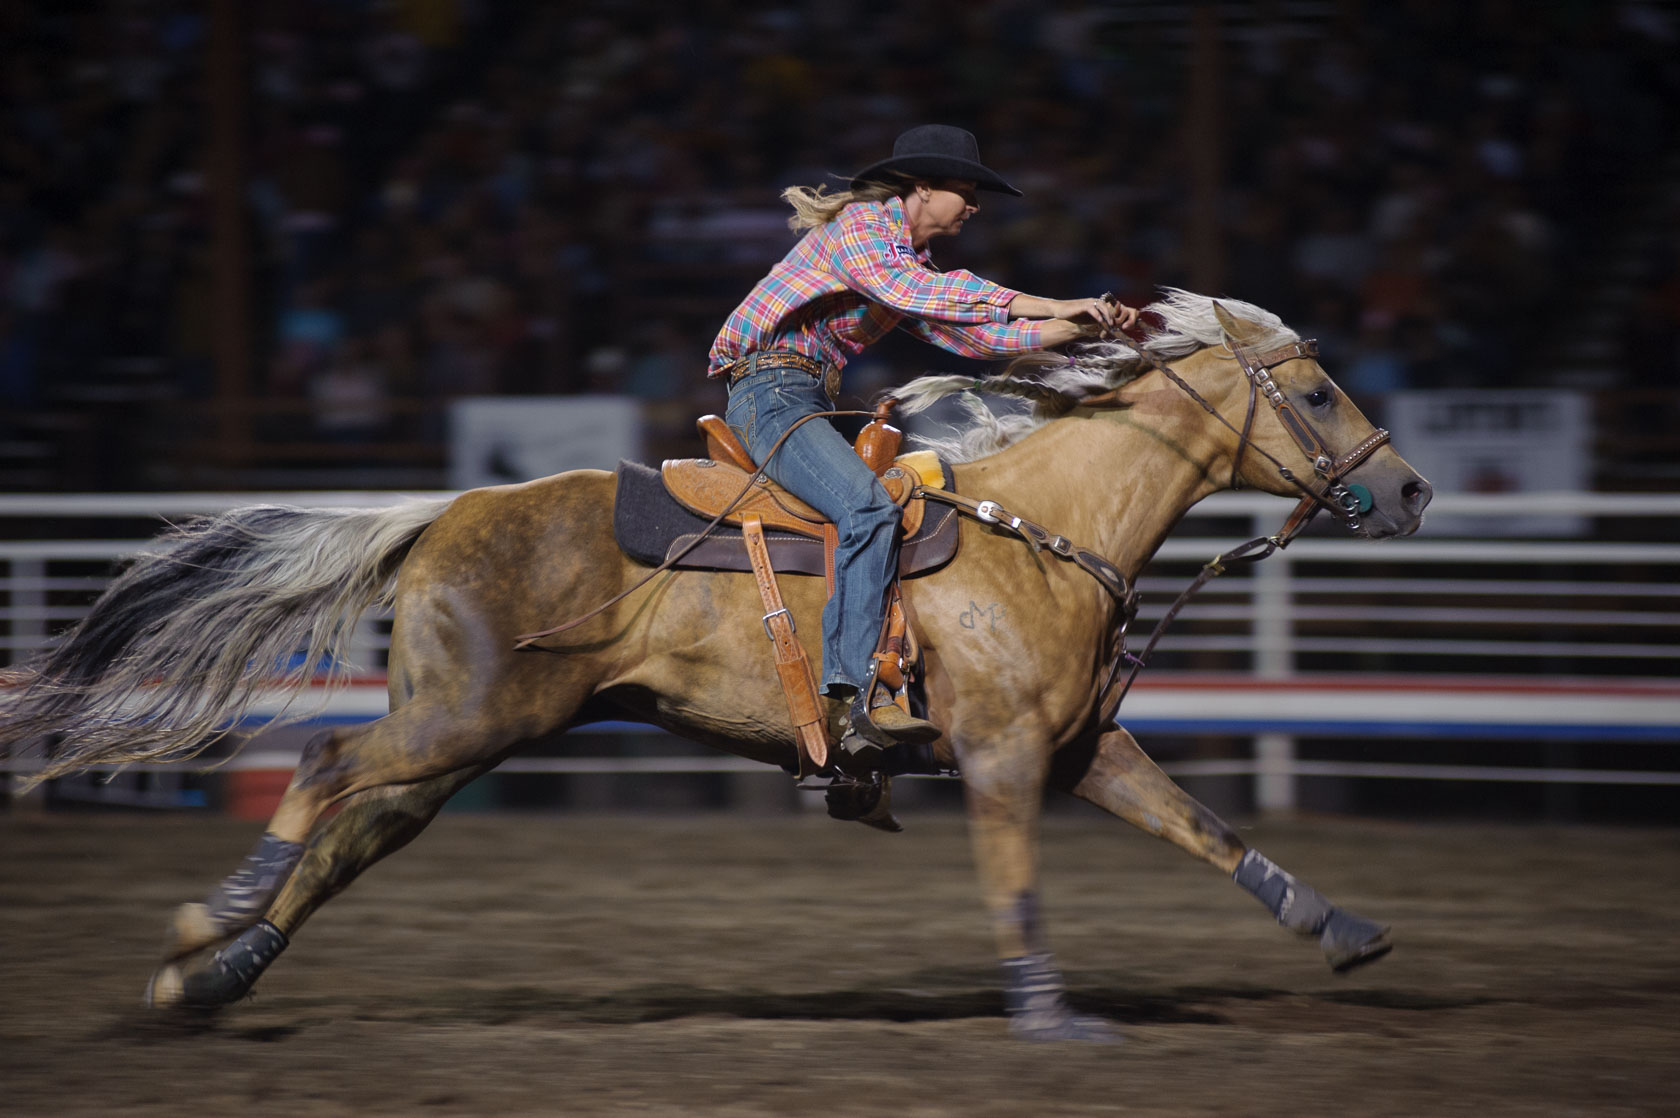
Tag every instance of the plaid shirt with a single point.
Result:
(846, 283)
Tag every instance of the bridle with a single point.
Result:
(1346, 502)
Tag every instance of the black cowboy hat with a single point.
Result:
(936, 151)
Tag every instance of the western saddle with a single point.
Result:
(709, 486)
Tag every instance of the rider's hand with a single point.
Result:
(1103, 315)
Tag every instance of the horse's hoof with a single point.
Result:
(207, 988)
(174, 990)
(1037, 1004)
(191, 929)
(1351, 941)
(1062, 1025)
(167, 989)
(225, 977)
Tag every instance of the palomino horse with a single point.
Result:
(175, 648)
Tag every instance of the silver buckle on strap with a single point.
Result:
(792, 628)
(993, 513)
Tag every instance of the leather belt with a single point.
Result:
(782, 359)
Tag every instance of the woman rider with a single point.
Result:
(862, 268)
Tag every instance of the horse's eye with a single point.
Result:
(1318, 397)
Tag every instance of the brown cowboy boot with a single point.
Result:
(901, 758)
(892, 720)
(867, 729)
(884, 725)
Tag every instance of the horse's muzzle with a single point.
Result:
(1402, 513)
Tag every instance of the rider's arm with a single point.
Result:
(1098, 312)
(870, 260)
(988, 340)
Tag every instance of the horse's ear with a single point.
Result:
(1233, 326)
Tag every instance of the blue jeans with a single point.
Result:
(819, 466)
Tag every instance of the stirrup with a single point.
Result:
(863, 801)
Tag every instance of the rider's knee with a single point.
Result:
(876, 509)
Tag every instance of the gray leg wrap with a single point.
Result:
(1033, 985)
(1033, 995)
(1297, 905)
(248, 891)
(1348, 940)
(233, 970)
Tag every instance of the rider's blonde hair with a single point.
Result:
(817, 205)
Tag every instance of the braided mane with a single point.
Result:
(1038, 387)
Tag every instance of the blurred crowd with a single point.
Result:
(453, 197)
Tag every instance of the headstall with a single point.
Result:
(1347, 502)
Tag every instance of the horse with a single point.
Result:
(1118, 441)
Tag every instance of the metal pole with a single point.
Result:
(29, 628)
(1274, 658)
(29, 606)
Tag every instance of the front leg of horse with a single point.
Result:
(372, 825)
(1112, 772)
(1004, 795)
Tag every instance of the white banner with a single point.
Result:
(1496, 441)
(494, 440)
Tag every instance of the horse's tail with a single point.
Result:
(172, 654)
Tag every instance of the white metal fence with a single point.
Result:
(1569, 631)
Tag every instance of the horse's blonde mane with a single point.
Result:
(1054, 383)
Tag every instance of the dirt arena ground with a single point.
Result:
(718, 965)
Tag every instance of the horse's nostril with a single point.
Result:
(1414, 495)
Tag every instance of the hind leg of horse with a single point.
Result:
(1116, 775)
(371, 825)
(411, 745)
(1004, 790)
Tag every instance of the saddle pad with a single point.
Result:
(649, 525)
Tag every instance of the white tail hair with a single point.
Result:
(172, 654)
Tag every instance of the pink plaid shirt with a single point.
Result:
(846, 283)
